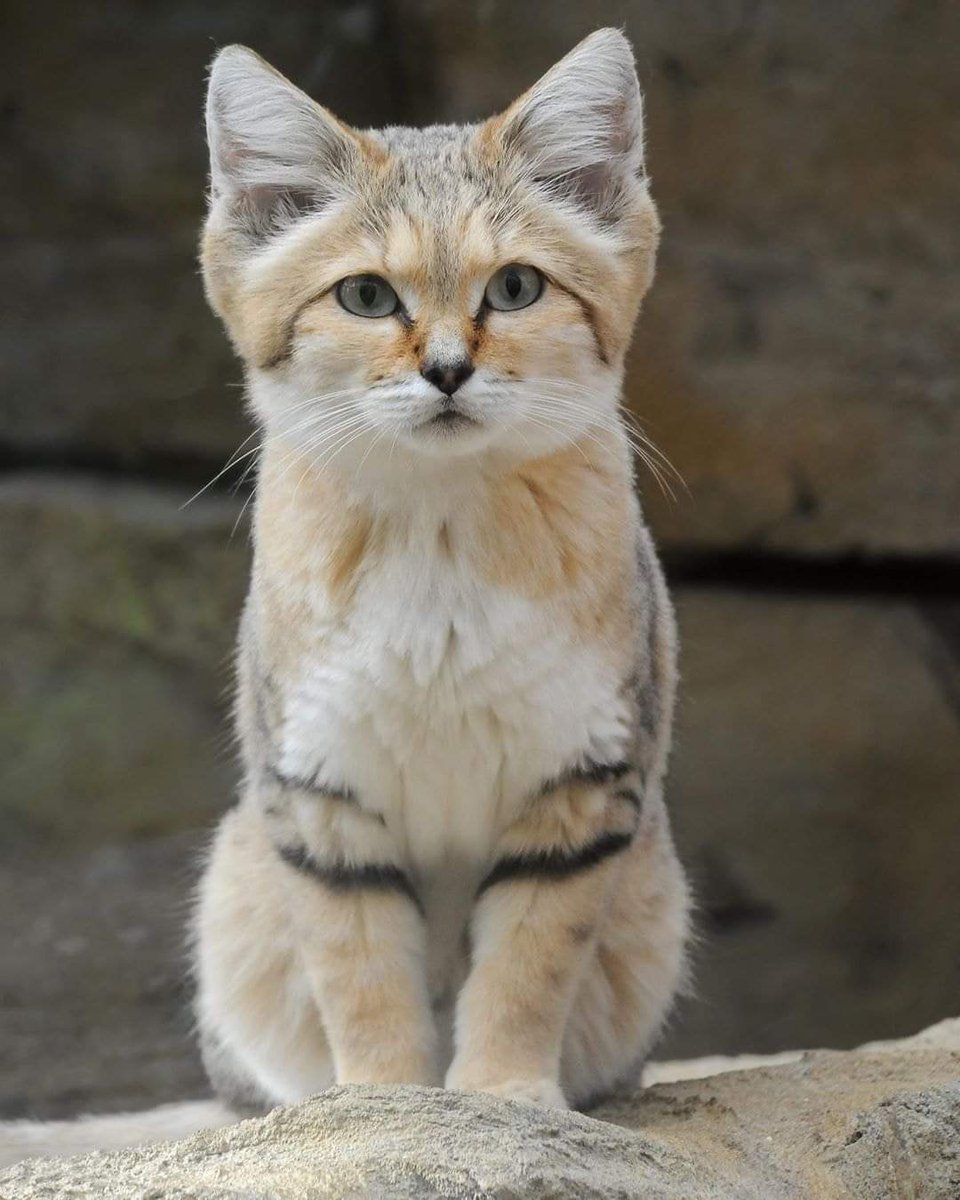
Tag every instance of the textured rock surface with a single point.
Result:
(796, 355)
(857, 1125)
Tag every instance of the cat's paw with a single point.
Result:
(530, 1091)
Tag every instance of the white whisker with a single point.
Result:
(234, 459)
(643, 446)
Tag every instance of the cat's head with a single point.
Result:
(448, 290)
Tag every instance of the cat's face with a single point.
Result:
(448, 291)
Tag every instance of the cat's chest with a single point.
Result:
(443, 703)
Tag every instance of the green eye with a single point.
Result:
(514, 286)
(367, 296)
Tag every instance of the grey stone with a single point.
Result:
(118, 614)
(857, 1125)
(95, 995)
(823, 438)
(795, 358)
(108, 350)
(813, 788)
(126, 366)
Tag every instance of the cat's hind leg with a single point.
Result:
(636, 969)
(262, 1038)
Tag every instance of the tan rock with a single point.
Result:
(857, 1126)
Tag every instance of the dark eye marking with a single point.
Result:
(590, 317)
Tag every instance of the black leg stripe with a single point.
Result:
(339, 877)
(556, 864)
(296, 783)
(630, 796)
(588, 772)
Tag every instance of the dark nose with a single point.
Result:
(448, 376)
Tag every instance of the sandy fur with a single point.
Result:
(451, 862)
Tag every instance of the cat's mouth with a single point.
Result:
(453, 429)
(448, 421)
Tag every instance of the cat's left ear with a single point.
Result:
(580, 127)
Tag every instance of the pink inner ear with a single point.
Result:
(581, 126)
(269, 139)
(601, 188)
(621, 124)
(264, 209)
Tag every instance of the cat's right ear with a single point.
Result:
(274, 152)
(579, 129)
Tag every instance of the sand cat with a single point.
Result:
(451, 862)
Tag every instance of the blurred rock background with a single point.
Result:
(796, 360)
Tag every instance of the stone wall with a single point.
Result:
(796, 360)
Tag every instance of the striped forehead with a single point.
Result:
(438, 259)
(439, 222)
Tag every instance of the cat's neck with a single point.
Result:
(501, 517)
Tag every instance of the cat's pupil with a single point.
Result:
(367, 293)
(512, 284)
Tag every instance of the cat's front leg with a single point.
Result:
(360, 932)
(533, 929)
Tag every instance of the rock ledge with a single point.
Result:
(875, 1123)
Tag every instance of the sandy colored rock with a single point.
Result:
(854, 1126)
